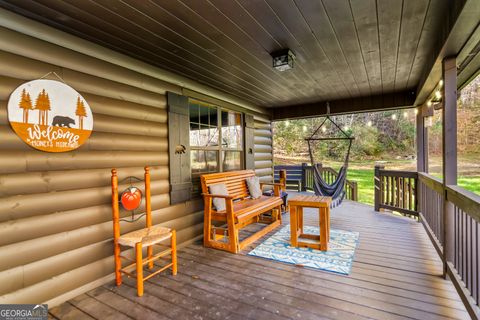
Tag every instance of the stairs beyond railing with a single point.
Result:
(300, 177)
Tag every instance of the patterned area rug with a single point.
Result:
(338, 258)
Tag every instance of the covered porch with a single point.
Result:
(161, 75)
(396, 274)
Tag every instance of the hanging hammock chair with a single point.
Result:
(336, 189)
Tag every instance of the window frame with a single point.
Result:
(219, 149)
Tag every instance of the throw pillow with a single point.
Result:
(220, 189)
(254, 189)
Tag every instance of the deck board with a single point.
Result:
(396, 274)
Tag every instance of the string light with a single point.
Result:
(429, 103)
(440, 83)
(416, 111)
(304, 128)
(394, 116)
(287, 123)
(345, 128)
(438, 94)
(405, 114)
(324, 129)
(369, 123)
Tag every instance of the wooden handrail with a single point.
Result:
(466, 200)
(396, 190)
(431, 181)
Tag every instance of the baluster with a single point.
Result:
(397, 183)
(410, 194)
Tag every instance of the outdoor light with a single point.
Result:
(438, 95)
(440, 83)
(369, 123)
(287, 123)
(416, 111)
(405, 114)
(429, 103)
(324, 129)
(304, 128)
(394, 117)
(345, 128)
(283, 59)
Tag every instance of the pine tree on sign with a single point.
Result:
(25, 104)
(80, 112)
(42, 104)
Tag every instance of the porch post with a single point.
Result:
(449, 141)
(421, 141)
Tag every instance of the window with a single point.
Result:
(216, 139)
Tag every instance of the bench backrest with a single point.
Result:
(234, 180)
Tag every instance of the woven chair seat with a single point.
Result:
(146, 236)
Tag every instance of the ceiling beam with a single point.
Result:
(460, 25)
(398, 100)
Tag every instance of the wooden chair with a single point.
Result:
(139, 239)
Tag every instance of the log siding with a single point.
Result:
(55, 208)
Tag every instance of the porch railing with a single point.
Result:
(431, 208)
(462, 256)
(396, 190)
(300, 177)
(451, 217)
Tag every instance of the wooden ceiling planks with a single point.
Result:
(345, 49)
(340, 16)
(366, 25)
(413, 15)
(389, 23)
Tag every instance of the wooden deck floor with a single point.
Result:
(395, 275)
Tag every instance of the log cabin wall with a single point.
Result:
(263, 149)
(55, 208)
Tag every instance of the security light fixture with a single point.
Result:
(283, 59)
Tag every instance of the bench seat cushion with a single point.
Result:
(247, 208)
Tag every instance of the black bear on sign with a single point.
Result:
(62, 121)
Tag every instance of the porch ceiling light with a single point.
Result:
(283, 59)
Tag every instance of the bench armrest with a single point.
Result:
(208, 195)
(276, 187)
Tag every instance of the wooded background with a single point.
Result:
(379, 135)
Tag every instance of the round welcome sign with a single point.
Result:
(50, 115)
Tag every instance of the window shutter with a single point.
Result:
(249, 142)
(179, 148)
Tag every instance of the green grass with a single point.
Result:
(471, 183)
(364, 179)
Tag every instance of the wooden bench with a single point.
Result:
(221, 228)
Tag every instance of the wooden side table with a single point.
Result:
(319, 242)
